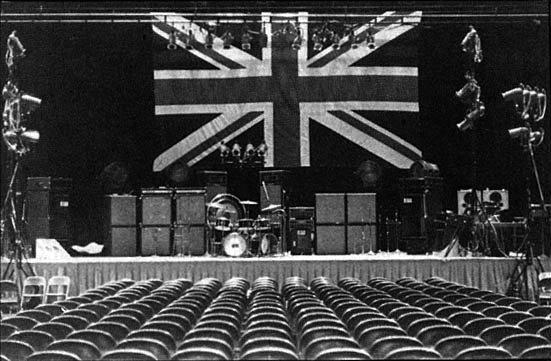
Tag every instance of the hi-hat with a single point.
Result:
(271, 207)
(249, 203)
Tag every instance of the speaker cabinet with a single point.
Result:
(156, 221)
(47, 209)
(189, 222)
(189, 240)
(330, 239)
(301, 230)
(421, 198)
(273, 187)
(330, 208)
(361, 238)
(214, 182)
(500, 197)
(361, 208)
(465, 199)
(119, 225)
(155, 241)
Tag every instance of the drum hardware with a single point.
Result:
(249, 203)
(271, 207)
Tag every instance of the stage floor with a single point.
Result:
(488, 273)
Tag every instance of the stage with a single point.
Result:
(487, 273)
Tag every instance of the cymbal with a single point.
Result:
(249, 203)
(271, 207)
(215, 205)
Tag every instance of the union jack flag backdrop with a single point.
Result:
(327, 107)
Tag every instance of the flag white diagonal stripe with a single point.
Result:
(230, 113)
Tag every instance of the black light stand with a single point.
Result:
(17, 139)
(479, 222)
(533, 103)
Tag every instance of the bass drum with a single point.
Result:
(228, 206)
(269, 244)
(234, 245)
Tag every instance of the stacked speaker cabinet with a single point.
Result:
(214, 182)
(330, 223)
(119, 225)
(421, 199)
(189, 222)
(273, 187)
(156, 214)
(361, 226)
(301, 230)
(47, 209)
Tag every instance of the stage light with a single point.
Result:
(236, 151)
(263, 39)
(515, 95)
(336, 39)
(15, 48)
(471, 44)
(316, 38)
(518, 132)
(356, 40)
(224, 152)
(370, 39)
(297, 42)
(29, 103)
(471, 117)
(262, 149)
(227, 38)
(209, 40)
(172, 41)
(249, 152)
(470, 93)
(246, 39)
(188, 41)
(30, 136)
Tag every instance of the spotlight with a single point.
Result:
(370, 39)
(316, 38)
(14, 45)
(263, 39)
(172, 41)
(297, 43)
(470, 118)
(336, 39)
(515, 95)
(519, 132)
(29, 103)
(249, 152)
(188, 41)
(224, 152)
(227, 38)
(246, 39)
(469, 94)
(209, 40)
(30, 136)
(236, 151)
(262, 149)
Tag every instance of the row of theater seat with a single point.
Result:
(381, 319)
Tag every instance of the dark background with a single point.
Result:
(96, 86)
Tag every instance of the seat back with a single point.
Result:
(483, 353)
(39, 340)
(53, 355)
(450, 347)
(34, 289)
(9, 297)
(15, 350)
(58, 288)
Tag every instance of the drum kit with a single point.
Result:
(232, 233)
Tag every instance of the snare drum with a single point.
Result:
(234, 245)
(269, 244)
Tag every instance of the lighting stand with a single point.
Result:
(519, 279)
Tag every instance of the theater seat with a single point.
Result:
(21, 322)
(53, 355)
(6, 330)
(56, 329)
(449, 347)
(324, 343)
(534, 324)
(39, 340)
(153, 346)
(517, 344)
(382, 347)
(483, 353)
(538, 352)
(15, 350)
(513, 318)
(263, 342)
(429, 336)
(495, 334)
(38, 315)
(413, 353)
(416, 326)
(160, 335)
(134, 355)
(541, 311)
(269, 353)
(497, 311)
(343, 353)
(76, 322)
(545, 332)
(83, 349)
(101, 339)
(117, 330)
(368, 336)
(476, 327)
